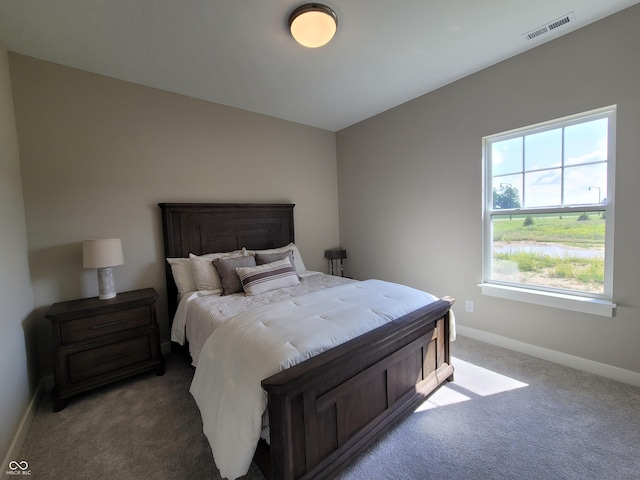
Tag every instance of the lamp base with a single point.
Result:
(106, 285)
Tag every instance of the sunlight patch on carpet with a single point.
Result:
(443, 397)
(475, 380)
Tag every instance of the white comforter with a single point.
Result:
(199, 314)
(260, 342)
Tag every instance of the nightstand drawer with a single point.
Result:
(97, 342)
(97, 361)
(104, 324)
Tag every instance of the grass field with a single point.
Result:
(551, 228)
(566, 271)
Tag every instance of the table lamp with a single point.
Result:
(103, 254)
(335, 254)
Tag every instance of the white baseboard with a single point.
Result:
(583, 364)
(21, 434)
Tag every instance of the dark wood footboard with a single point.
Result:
(329, 408)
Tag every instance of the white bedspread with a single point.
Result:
(198, 315)
(260, 342)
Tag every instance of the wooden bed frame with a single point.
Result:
(326, 410)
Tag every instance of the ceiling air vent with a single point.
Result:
(549, 27)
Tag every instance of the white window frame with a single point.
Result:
(598, 304)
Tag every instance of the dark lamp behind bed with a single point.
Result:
(333, 255)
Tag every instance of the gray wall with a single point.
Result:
(98, 154)
(16, 296)
(410, 183)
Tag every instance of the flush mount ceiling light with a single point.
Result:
(313, 24)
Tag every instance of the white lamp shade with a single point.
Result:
(102, 253)
(313, 25)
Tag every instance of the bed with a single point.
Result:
(327, 409)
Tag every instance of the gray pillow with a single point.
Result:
(262, 258)
(227, 270)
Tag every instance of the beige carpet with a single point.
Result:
(507, 416)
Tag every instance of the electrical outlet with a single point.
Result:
(469, 306)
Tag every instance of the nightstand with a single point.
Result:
(100, 341)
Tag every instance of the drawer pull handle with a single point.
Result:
(110, 324)
(112, 358)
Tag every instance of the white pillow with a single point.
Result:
(267, 277)
(298, 264)
(182, 275)
(205, 274)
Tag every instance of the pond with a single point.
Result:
(554, 250)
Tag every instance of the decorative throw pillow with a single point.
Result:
(226, 268)
(267, 277)
(262, 258)
(205, 274)
(298, 264)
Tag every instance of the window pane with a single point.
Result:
(586, 184)
(550, 250)
(506, 156)
(561, 168)
(506, 191)
(586, 142)
(543, 189)
(543, 150)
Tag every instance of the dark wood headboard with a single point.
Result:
(201, 228)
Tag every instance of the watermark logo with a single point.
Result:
(18, 468)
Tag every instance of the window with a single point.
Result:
(548, 212)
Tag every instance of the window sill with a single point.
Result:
(556, 300)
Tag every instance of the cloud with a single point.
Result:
(599, 155)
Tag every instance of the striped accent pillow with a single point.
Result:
(267, 277)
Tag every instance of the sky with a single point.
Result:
(533, 164)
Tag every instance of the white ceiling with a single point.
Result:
(240, 53)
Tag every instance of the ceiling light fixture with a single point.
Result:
(313, 24)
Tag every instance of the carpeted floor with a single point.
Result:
(506, 416)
